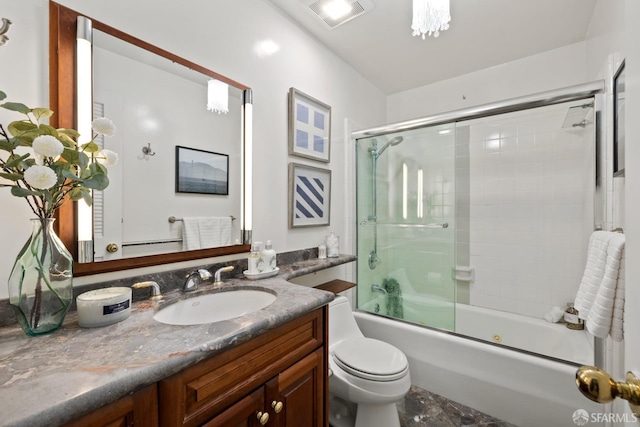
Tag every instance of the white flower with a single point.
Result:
(47, 146)
(107, 157)
(103, 126)
(40, 177)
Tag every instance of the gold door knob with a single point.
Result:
(277, 406)
(112, 247)
(598, 386)
(263, 417)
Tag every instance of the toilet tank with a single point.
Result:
(342, 324)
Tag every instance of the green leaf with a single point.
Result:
(48, 130)
(23, 192)
(83, 160)
(6, 145)
(86, 195)
(14, 160)
(42, 113)
(11, 176)
(67, 173)
(97, 182)
(16, 106)
(90, 147)
(71, 132)
(71, 155)
(20, 127)
(2, 95)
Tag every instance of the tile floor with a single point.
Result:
(421, 408)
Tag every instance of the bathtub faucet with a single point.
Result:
(379, 289)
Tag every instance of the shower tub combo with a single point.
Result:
(473, 225)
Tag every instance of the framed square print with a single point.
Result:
(309, 127)
(203, 172)
(309, 196)
(618, 121)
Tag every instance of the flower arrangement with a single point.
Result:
(60, 168)
(47, 166)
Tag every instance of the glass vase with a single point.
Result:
(40, 285)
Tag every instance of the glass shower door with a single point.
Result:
(406, 234)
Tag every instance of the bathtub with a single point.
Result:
(520, 388)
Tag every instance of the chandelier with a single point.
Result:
(430, 17)
(218, 97)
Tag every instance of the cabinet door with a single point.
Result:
(300, 391)
(245, 413)
(137, 410)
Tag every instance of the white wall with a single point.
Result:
(223, 36)
(538, 73)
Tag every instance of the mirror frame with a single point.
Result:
(62, 83)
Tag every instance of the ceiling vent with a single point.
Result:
(336, 12)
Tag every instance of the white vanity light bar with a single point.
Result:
(84, 102)
(247, 128)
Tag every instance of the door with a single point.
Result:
(245, 413)
(295, 397)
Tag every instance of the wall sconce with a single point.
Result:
(5, 27)
(247, 166)
(218, 96)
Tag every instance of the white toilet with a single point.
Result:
(368, 376)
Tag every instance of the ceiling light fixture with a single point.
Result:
(218, 97)
(336, 9)
(430, 17)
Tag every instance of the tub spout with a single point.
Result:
(379, 289)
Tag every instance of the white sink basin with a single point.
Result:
(214, 307)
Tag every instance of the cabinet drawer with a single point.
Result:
(198, 393)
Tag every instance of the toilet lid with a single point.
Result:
(370, 359)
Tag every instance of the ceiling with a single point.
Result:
(482, 34)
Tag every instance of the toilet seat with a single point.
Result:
(370, 359)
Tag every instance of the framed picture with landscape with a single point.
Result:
(200, 171)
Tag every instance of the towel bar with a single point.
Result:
(173, 219)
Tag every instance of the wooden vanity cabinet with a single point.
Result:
(276, 379)
(139, 409)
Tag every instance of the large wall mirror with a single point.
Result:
(178, 161)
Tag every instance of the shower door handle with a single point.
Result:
(597, 385)
(437, 225)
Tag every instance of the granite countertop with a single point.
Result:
(52, 379)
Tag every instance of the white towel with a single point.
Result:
(593, 272)
(214, 231)
(190, 234)
(600, 298)
(609, 301)
(555, 315)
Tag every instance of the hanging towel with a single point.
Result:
(214, 231)
(593, 272)
(190, 234)
(609, 300)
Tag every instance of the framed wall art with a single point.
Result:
(309, 127)
(618, 121)
(200, 171)
(309, 196)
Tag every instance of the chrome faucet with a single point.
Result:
(191, 281)
(218, 280)
(155, 288)
(379, 289)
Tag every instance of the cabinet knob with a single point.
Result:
(277, 406)
(112, 247)
(263, 417)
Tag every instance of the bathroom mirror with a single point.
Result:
(154, 98)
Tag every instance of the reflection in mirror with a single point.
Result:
(157, 105)
(158, 101)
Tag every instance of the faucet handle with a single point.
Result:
(155, 288)
(218, 278)
(205, 274)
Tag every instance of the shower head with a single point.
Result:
(395, 141)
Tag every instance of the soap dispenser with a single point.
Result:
(256, 261)
(269, 256)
